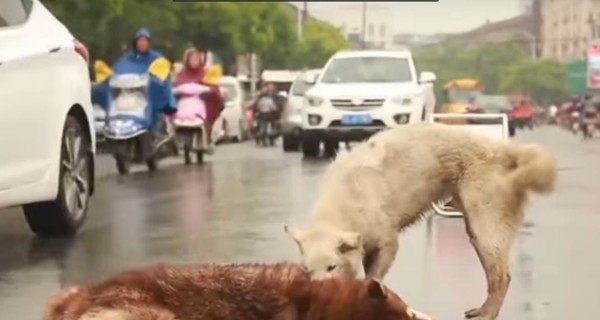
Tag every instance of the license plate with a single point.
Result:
(356, 119)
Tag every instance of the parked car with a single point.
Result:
(231, 125)
(493, 104)
(292, 114)
(47, 123)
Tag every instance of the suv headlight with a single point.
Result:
(403, 100)
(314, 101)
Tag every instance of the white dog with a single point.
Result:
(389, 182)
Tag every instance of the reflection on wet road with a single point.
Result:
(234, 209)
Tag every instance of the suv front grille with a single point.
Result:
(348, 104)
(338, 123)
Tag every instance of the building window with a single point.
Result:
(382, 30)
(371, 32)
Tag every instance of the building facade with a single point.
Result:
(569, 27)
(522, 28)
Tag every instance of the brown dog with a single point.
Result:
(246, 292)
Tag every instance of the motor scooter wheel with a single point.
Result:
(152, 164)
(122, 158)
(187, 159)
(122, 163)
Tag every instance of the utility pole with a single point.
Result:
(253, 66)
(301, 16)
(299, 21)
(304, 10)
(364, 25)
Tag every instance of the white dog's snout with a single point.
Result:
(417, 315)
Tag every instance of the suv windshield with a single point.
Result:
(368, 69)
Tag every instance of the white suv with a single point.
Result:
(46, 128)
(359, 93)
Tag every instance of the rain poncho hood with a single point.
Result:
(189, 74)
(135, 61)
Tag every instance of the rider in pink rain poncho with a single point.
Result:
(194, 70)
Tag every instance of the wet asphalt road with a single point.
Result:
(234, 209)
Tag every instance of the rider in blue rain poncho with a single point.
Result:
(139, 60)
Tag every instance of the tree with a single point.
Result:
(493, 58)
(502, 68)
(319, 42)
(227, 28)
(544, 80)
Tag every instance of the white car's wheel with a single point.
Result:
(66, 214)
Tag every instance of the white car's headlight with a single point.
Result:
(403, 100)
(314, 101)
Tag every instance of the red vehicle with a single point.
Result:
(522, 112)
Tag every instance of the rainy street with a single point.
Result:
(234, 209)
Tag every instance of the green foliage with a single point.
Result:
(320, 40)
(544, 80)
(502, 68)
(228, 28)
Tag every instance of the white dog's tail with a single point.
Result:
(535, 170)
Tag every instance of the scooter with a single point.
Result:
(128, 129)
(190, 121)
(575, 122)
(590, 121)
(99, 122)
(266, 132)
(267, 120)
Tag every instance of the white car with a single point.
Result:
(292, 114)
(231, 124)
(47, 134)
(359, 93)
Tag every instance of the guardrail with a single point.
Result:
(493, 130)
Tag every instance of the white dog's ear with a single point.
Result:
(294, 233)
(349, 241)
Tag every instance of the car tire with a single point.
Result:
(66, 214)
(290, 143)
(310, 147)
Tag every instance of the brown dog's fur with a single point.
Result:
(389, 182)
(210, 292)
